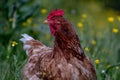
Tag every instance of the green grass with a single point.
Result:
(99, 37)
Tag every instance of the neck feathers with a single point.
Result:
(68, 42)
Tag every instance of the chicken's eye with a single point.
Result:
(58, 22)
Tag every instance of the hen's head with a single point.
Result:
(54, 20)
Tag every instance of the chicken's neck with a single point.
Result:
(69, 46)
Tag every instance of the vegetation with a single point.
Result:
(97, 27)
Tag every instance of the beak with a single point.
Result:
(46, 22)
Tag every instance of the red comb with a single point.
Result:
(55, 12)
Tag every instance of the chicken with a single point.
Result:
(65, 61)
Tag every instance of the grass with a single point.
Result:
(99, 34)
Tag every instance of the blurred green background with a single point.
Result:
(97, 22)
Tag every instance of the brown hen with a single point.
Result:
(65, 61)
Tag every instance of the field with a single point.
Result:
(98, 29)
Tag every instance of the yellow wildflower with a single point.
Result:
(110, 19)
(108, 65)
(13, 43)
(80, 24)
(43, 11)
(10, 19)
(24, 24)
(29, 20)
(87, 49)
(97, 61)
(84, 16)
(115, 30)
(93, 42)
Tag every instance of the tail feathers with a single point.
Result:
(25, 38)
(30, 44)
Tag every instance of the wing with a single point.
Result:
(35, 51)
